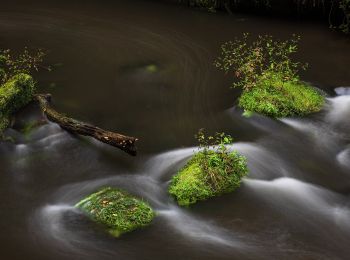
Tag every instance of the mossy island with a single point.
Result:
(269, 77)
(277, 98)
(14, 94)
(17, 86)
(117, 210)
(211, 172)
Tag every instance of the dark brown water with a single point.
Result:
(145, 69)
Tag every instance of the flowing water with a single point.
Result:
(145, 68)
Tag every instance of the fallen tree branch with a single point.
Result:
(125, 143)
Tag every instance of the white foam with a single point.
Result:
(341, 216)
(289, 186)
(296, 123)
(158, 165)
(297, 198)
(343, 157)
(342, 91)
(53, 140)
(22, 149)
(340, 110)
(323, 133)
(197, 229)
(262, 164)
(50, 219)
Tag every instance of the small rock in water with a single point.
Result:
(119, 211)
(151, 68)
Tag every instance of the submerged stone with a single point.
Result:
(117, 210)
(195, 183)
(151, 68)
(141, 68)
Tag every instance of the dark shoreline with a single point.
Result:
(328, 11)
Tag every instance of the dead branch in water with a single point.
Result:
(125, 143)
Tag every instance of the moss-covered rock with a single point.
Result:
(4, 122)
(14, 94)
(278, 98)
(117, 210)
(223, 173)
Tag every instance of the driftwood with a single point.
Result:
(125, 143)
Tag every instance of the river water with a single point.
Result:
(145, 68)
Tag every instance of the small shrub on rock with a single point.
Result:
(269, 77)
(212, 171)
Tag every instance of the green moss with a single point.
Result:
(117, 210)
(196, 183)
(14, 94)
(29, 126)
(151, 68)
(277, 98)
(4, 122)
